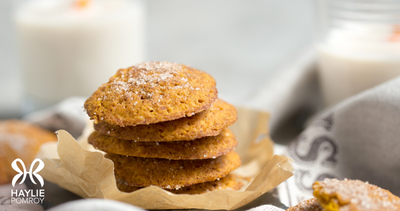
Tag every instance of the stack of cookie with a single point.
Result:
(162, 125)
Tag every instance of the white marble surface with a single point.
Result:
(241, 43)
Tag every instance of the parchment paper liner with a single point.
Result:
(88, 174)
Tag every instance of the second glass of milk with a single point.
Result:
(358, 46)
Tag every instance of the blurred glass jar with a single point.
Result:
(71, 47)
(358, 45)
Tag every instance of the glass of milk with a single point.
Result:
(358, 45)
(71, 47)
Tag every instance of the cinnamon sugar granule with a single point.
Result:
(150, 74)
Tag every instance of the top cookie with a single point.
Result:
(152, 92)
(353, 195)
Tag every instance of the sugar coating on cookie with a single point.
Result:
(230, 182)
(206, 123)
(351, 195)
(307, 205)
(151, 92)
(172, 174)
(203, 148)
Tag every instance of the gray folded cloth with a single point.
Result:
(68, 115)
(356, 139)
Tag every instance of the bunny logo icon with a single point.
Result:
(32, 173)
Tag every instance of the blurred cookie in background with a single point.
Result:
(19, 139)
(354, 195)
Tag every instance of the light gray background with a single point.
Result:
(241, 43)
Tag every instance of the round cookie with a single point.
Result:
(307, 205)
(19, 139)
(352, 195)
(151, 92)
(206, 123)
(226, 183)
(207, 147)
(172, 174)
